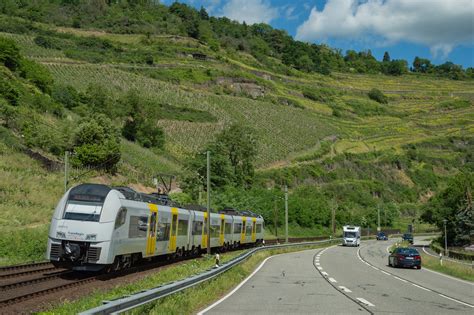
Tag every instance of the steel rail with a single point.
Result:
(130, 302)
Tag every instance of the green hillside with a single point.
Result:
(317, 131)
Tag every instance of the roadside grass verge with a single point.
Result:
(453, 269)
(186, 302)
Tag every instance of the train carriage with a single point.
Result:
(96, 226)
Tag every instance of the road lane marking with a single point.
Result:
(324, 273)
(423, 288)
(447, 297)
(320, 268)
(402, 280)
(388, 248)
(332, 280)
(345, 289)
(318, 264)
(375, 268)
(385, 273)
(236, 288)
(365, 302)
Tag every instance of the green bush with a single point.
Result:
(97, 144)
(319, 95)
(47, 42)
(149, 135)
(37, 74)
(9, 91)
(378, 96)
(9, 54)
(66, 95)
(454, 104)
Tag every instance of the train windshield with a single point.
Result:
(85, 202)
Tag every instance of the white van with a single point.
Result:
(351, 235)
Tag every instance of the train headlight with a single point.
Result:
(91, 237)
(60, 235)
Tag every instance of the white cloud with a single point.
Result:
(439, 24)
(250, 11)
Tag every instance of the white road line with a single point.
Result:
(344, 289)
(388, 248)
(375, 268)
(365, 302)
(320, 268)
(324, 273)
(447, 297)
(332, 280)
(416, 285)
(385, 272)
(402, 280)
(236, 288)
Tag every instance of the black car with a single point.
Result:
(381, 236)
(408, 237)
(405, 257)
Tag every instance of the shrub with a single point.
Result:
(150, 135)
(66, 95)
(8, 91)
(37, 74)
(378, 96)
(97, 144)
(46, 42)
(9, 54)
(454, 104)
(319, 95)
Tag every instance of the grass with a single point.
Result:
(454, 269)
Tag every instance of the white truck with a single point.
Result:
(351, 235)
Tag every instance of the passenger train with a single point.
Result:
(96, 227)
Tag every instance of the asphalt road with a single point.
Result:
(346, 280)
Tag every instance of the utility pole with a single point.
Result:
(286, 213)
(378, 218)
(66, 167)
(208, 202)
(445, 239)
(276, 217)
(200, 195)
(333, 219)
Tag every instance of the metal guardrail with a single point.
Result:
(130, 302)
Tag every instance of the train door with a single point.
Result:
(221, 235)
(173, 230)
(254, 229)
(151, 232)
(242, 235)
(204, 232)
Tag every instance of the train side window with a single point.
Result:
(237, 228)
(163, 232)
(259, 228)
(121, 217)
(197, 228)
(138, 227)
(228, 227)
(182, 227)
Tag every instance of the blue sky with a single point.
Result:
(439, 30)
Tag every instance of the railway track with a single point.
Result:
(26, 269)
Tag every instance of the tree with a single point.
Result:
(240, 146)
(422, 65)
(386, 57)
(232, 157)
(97, 144)
(455, 205)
